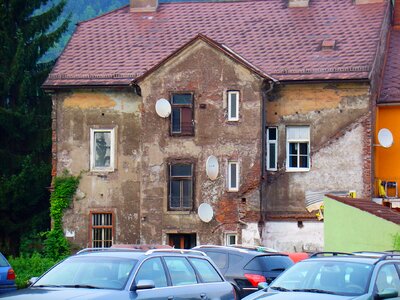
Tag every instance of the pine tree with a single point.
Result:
(27, 32)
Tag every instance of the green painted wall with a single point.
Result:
(349, 229)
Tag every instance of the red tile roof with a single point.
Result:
(371, 207)
(390, 92)
(280, 41)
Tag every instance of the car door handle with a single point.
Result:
(203, 296)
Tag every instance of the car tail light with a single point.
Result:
(10, 274)
(255, 279)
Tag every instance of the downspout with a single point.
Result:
(267, 87)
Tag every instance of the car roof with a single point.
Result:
(238, 250)
(136, 253)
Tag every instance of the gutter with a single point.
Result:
(264, 95)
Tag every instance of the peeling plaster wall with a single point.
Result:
(118, 192)
(337, 117)
(208, 74)
(287, 236)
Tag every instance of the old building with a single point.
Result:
(276, 94)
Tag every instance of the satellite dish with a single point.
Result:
(163, 108)
(385, 138)
(212, 167)
(205, 212)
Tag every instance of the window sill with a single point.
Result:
(298, 170)
(178, 212)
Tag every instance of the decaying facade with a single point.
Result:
(284, 119)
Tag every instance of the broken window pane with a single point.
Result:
(102, 145)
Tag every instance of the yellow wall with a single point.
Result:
(387, 160)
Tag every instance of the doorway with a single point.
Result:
(182, 240)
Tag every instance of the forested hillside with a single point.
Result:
(80, 10)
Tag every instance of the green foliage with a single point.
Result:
(56, 246)
(25, 121)
(396, 242)
(26, 267)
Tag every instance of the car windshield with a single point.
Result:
(89, 272)
(332, 277)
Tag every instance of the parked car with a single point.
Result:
(245, 268)
(107, 273)
(7, 276)
(337, 277)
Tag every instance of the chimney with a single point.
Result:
(144, 5)
(367, 1)
(299, 3)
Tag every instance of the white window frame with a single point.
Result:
(230, 117)
(230, 187)
(297, 140)
(93, 167)
(228, 236)
(272, 142)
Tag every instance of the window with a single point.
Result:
(182, 122)
(233, 176)
(180, 270)
(152, 269)
(233, 106)
(298, 148)
(231, 239)
(101, 230)
(180, 186)
(102, 149)
(272, 148)
(207, 272)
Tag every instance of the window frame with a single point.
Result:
(229, 96)
(230, 187)
(92, 227)
(298, 141)
(181, 178)
(229, 235)
(272, 142)
(180, 107)
(93, 167)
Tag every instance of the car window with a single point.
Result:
(106, 272)
(220, 259)
(342, 278)
(180, 270)
(387, 278)
(206, 270)
(269, 263)
(152, 269)
(3, 261)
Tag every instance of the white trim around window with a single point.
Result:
(233, 176)
(272, 148)
(233, 105)
(230, 239)
(297, 148)
(102, 150)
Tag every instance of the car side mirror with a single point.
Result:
(32, 280)
(388, 293)
(145, 284)
(262, 285)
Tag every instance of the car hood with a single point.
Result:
(64, 294)
(298, 296)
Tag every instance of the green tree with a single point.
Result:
(26, 33)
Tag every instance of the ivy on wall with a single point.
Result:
(65, 186)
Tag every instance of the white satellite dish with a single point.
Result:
(205, 212)
(163, 108)
(212, 167)
(385, 138)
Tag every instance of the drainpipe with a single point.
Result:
(267, 87)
